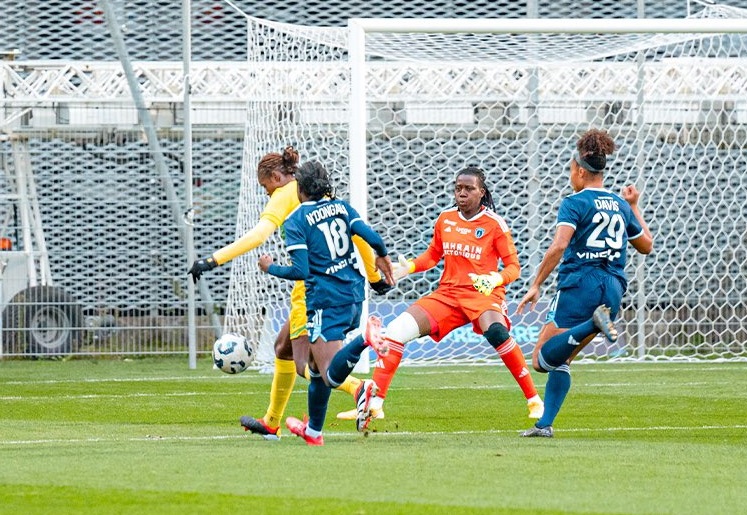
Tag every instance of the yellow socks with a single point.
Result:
(282, 386)
(350, 385)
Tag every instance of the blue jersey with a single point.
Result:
(323, 231)
(603, 224)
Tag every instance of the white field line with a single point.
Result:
(445, 370)
(93, 396)
(383, 434)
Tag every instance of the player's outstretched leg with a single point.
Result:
(283, 380)
(350, 385)
(372, 338)
(511, 355)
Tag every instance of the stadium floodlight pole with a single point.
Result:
(188, 193)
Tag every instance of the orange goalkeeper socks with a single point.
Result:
(387, 366)
(512, 357)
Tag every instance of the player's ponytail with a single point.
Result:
(285, 163)
(592, 150)
(313, 181)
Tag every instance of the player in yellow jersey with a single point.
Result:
(276, 174)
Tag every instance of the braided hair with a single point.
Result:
(593, 148)
(285, 163)
(476, 171)
(313, 181)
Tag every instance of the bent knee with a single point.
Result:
(497, 334)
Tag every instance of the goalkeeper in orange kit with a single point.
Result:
(472, 239)
(276, 174)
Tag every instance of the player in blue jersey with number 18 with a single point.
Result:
(318, 237)
(593, 229)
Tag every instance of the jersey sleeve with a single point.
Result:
(295, 237)
(504, 245)
(299, 268)
(569, 213)
(252, 239)
(295, 244)
(633, 229)
(282, 202)
(434, 252)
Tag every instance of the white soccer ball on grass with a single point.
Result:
(232, 353)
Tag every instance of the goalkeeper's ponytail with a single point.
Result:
(475, 171)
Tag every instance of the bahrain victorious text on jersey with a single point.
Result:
(470, 246)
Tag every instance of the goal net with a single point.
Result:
(395, 108)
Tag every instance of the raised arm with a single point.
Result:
(281, 203)
(298, 270)
(554, 254)
(645, 242)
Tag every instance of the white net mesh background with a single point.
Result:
(515, 106)
(70, 130)
(76, 29)
(289, 105)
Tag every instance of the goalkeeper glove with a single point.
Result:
(200, 266)
(402, 268)
(486, 283)
(381, 287)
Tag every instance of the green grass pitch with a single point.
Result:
(151, 436)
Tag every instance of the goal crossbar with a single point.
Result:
(550, 26)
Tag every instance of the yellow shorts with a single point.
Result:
(298, 310)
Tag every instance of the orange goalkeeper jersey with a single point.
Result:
(475, 246)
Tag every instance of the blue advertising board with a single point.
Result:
(464, 344)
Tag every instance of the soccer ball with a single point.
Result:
(232, 353)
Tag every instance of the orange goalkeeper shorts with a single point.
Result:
(452, 307)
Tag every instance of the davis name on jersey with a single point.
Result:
(603, 224)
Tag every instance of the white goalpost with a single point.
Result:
(395, 107)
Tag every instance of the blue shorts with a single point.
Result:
(333, 323)
(576, 302)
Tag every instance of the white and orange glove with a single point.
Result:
(402, 268)
(486, 283)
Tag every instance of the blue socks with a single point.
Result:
(339, 369)
(318, 398)
(559, 348)
(345, 360)
(558, 384)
